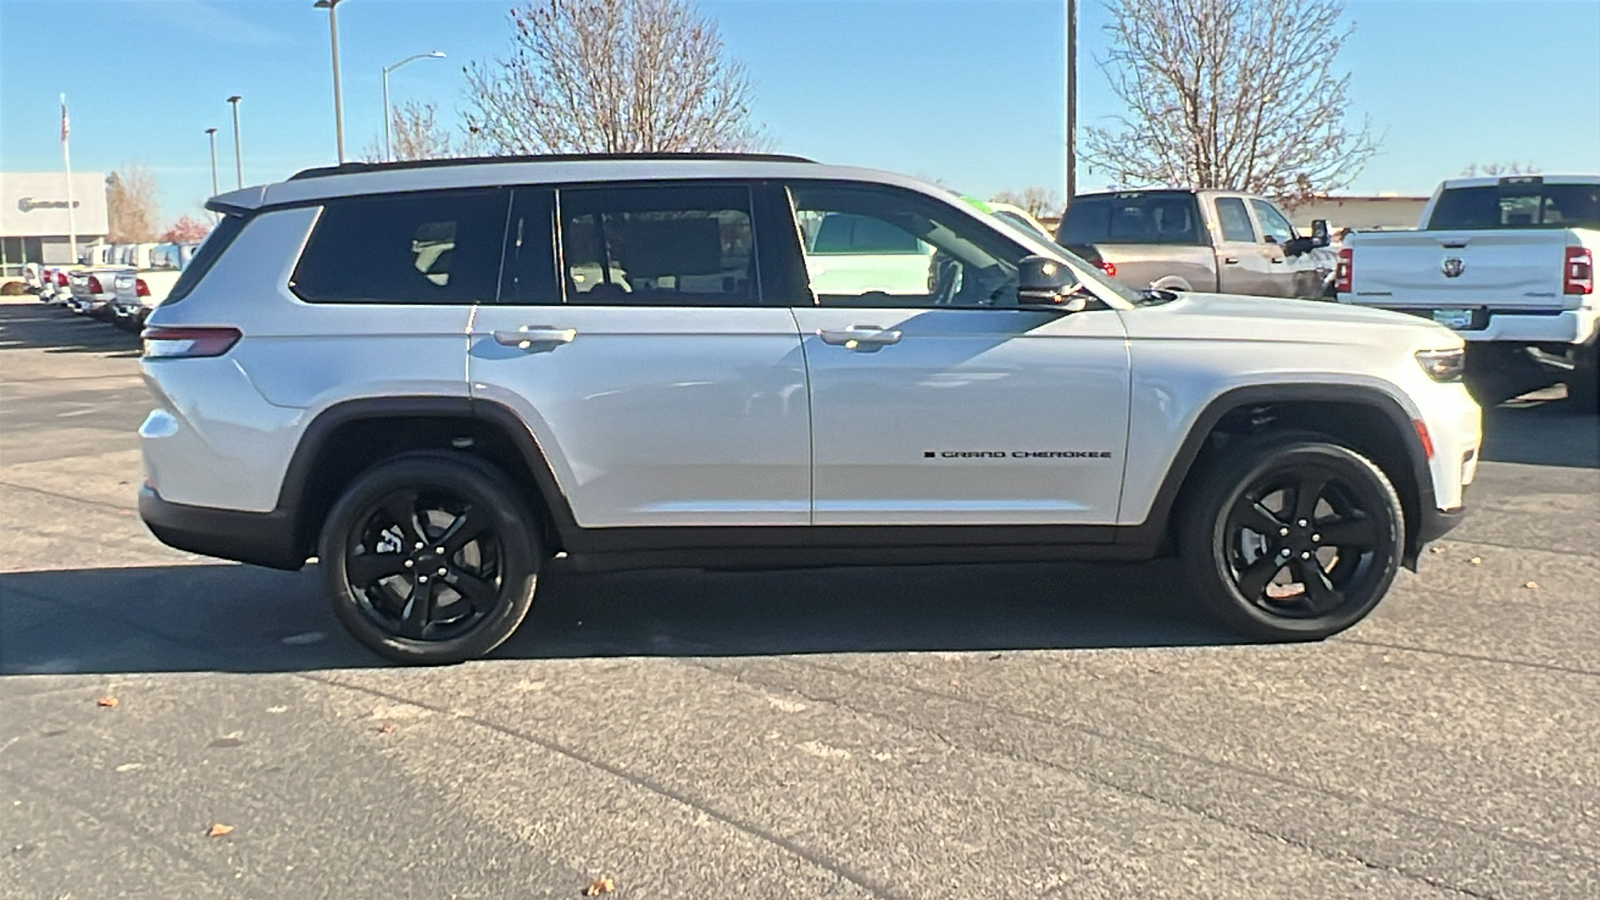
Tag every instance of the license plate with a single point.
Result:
(1453, 318)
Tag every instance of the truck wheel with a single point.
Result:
(1291, 538)
(1583, 385)
(429, 558)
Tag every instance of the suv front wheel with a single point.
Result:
(1292, 538)
(429, 558)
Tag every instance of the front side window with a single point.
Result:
(658, 246)
(1276, 228)
(1235, 221)
(430, 247)
(903, 250)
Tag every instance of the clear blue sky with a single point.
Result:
(966, 92)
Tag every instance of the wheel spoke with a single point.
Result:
(1254, 579)
(1358, 532)
(466, 527)
(1319, 592)
(1248, 513)
(402, 509)
(364, 569)
(1306, 494)
(481, 594)
(418, 611)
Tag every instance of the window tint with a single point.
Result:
(1152, 218)
(1273, 224)
(433, 247)
(1518, 205)
(1235, 221)
(658, 246)
(165, 256)
(905, 250)
(211, 249)
(529, 274)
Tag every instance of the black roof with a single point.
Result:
(351, 168)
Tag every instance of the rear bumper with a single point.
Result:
(1568, 326)
(262, 539)
(1436, 523)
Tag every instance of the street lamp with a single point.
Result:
(1071, 180)
(388, 151)
(212, 134)
(338, 103)
(238, 156)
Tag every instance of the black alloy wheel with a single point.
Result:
(429, 558)
(1294, 539)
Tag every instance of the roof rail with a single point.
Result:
(351, 168)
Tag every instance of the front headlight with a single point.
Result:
(1443, 365)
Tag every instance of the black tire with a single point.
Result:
(1245, 552)
(473, 595)
(1583, 385)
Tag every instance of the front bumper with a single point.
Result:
(262, 539)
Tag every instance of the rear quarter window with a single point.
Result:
(434, 247)
(206, 256)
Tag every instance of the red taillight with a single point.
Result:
(61, 279)
(1577, 276)
(140, 289)
(1110, 268)
(1342, 275)
(188, 343)
(94, 285)
(1422, 435)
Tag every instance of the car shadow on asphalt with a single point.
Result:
(245, 619)
(42, 326)
(1542, 429)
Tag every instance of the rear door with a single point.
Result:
(661, 389)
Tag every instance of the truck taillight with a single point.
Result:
(94, 285)
(188, 343)
(61, 279)
(1110, 268)
(1342, 275)
(140, 288)
(1577, 276)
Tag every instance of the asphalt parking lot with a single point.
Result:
(1002, 731)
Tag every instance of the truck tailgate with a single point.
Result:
(1500, 269)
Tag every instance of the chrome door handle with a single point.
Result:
(535, 338)
(1231, 260)
(863, 338)
(1275, 259)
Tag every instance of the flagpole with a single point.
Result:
(66, 162)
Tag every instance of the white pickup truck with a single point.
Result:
(1506, 262)
(140, 290)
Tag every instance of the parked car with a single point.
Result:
(53, 285)
(137, 291)
(1222, 241)
(1509, 264)
(91, 291)
(1018, 217)
(32, 278)
(441, 428)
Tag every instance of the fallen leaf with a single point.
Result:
(218, 829)
(225, 742)
(1435, 549)
(952, 682)
(1476, 560)
(599, 886)
(1532, 585)
(107, 702)
(386, 728)
(129, 767)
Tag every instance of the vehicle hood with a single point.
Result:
(1231, 317)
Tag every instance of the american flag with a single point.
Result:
(66, 127)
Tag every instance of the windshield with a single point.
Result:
(1517, 204)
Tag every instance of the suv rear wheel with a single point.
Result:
(429, 558)
(1292, 538)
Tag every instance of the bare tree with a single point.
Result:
(1234, 94)
(611, 76)
(1496, 168)
(415, 133)
(131, 207)
(1037, 201)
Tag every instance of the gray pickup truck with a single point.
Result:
(1214, 241)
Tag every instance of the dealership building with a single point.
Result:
(33, 217)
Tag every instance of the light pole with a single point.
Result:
(1072, 100)
(238, 155)
(388, 151)
(212, 134)
(332, 6)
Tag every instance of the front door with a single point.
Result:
(662, 392)
(934, 399)
(1246, 264)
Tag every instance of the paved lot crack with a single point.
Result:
(1474, 657)
(59, 496)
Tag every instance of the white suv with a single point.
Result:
(442, 380)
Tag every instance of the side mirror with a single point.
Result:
(1319, 233)
(1299, 246)
(1045, 282)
